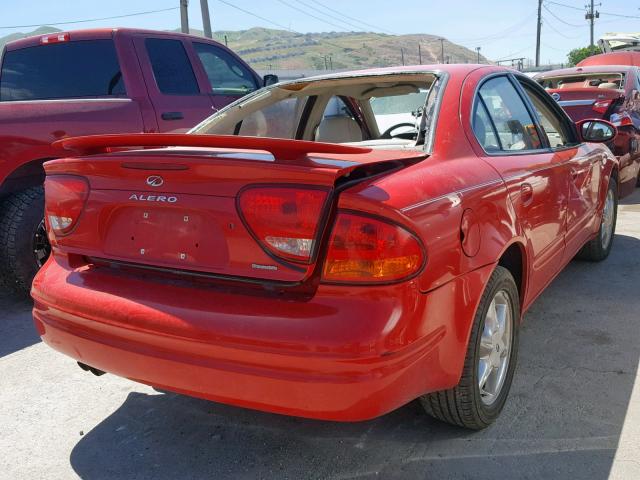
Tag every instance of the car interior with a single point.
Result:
(613, 81)
(393, 111)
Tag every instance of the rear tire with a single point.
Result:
(467, 404)
(21, 234)
(599, 247)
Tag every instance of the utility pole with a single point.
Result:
(538, 33)
(478, 50)
(402, 54)
(330, 63)
(184, 16)
(419, 54)
(206, 21)
(442, 49)
(326, 66)
(591, 15)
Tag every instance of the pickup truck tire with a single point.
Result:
(475, 403)
(599, 247)
(21, 216)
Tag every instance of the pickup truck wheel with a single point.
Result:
(599, 247)
(490, 361)
(23, 240)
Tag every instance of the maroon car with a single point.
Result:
(94, 82)
(609, 92)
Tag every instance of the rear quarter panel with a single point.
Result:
(432, 196)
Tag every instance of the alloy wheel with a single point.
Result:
(495, 347)
(41, 246)
(606, 228)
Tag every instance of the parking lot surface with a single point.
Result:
(573, 411)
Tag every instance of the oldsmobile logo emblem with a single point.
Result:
(555, 96)
(155, 181)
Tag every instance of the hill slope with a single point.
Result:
(266, 48)
(280, 49)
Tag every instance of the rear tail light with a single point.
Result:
(363, 249)
(64, 200)
(602, 106)
(621, 120)
(284, 220)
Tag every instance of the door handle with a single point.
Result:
(526, 194)
(172, 115)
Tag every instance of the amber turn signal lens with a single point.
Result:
(363, 249)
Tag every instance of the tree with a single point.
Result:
(576, 55)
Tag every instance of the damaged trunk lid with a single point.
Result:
(222, 206)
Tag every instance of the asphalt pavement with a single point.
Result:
(573, 412)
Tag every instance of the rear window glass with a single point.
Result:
(62, 70)
(609, 80)
(171, 67)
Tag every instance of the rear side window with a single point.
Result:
(171, 67)
(515, 128)
(61, 70)
(483, 128)
(226, 74)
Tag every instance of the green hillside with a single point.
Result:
(266, 48)
(280, 49)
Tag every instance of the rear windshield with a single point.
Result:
(609, 80)
(61, 70)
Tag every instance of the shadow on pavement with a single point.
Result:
(579, 353)
(16, 326)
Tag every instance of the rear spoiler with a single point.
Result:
(281, 149)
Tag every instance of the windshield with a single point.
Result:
(374, 110)
(609, 80)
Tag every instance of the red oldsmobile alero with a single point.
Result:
(331, 247)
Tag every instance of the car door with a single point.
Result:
(229, 77)
(535, 175)
(178, 96)
(585, 168)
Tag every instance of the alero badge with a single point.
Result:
(155, 181)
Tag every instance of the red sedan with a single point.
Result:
(330, 248)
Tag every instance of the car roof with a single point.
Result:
(462, 69)
(614, 58)
(98, 33)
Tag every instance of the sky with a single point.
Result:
(502, 28)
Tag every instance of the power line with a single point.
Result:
(611, 14)
(508, 57)
(619, 15)
(257, 16)
(354, 19)
(548, 24)
(499, 35)
(565, 5)
(275, 23)
(358, 28)
(68, 22)
(310, 14)
(559, 19)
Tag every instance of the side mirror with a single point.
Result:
(269, 80)
(596, 131)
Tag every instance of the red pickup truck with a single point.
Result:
(89, 82)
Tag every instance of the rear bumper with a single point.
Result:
(347, 354)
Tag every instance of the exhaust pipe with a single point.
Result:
(93, 370)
